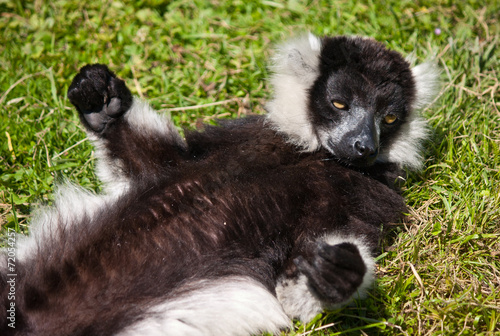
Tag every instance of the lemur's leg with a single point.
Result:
(226, 306)
(132, 141)
(329, 272)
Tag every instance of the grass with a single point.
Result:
(440, 275)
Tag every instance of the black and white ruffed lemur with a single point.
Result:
(235, 229)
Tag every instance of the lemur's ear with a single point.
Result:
(298, 57)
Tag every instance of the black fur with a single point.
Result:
(234, 199)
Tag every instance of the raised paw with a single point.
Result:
(99, 96)
(335, 271)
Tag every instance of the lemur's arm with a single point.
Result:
(132, 141)
(327, 272)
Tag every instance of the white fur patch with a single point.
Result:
(108, 169)
(426, 77)
(144, 120)
(226, 307)
(406, 148)
(71, 203)
(295, 68)
(314, 42)
(296, 297)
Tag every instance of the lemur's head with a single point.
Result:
(352, 97)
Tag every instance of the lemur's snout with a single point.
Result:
(365, 144)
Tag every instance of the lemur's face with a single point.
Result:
(352, 97)
(357, 108)
(355, 117)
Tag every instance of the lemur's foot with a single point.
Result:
(335, 272)
(99, 96)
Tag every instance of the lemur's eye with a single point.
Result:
(339, 105)
(390, 119)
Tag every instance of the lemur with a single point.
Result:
(235, 229)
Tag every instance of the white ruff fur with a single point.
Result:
(406, 149)
(230, 306)
(295, 68)
(296, 297)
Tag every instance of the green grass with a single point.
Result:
(440, 275)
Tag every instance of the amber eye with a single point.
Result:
(339, 105)
(390, 119)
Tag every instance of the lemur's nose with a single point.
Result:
(365, 150)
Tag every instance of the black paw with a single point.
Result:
(335, 272)
(99, 96)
